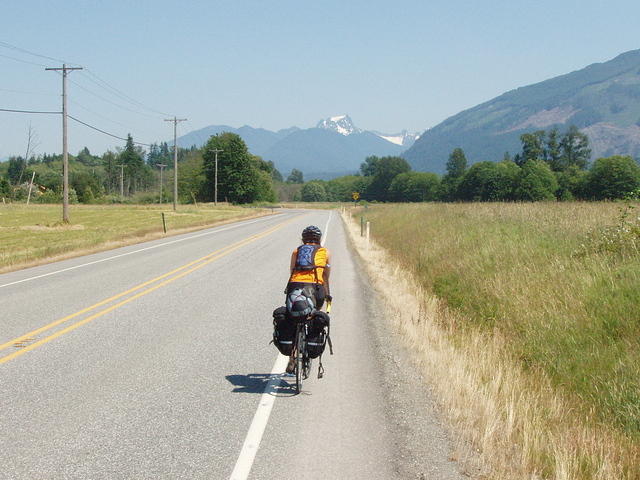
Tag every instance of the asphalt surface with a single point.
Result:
(129, 373)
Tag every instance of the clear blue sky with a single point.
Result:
(390, 65)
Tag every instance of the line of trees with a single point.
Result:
(551, 165)
(132, 175)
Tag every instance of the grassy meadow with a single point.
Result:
(557, 287)
(35, 233)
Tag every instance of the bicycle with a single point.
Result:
(303, 362)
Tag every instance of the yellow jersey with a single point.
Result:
(315, 275)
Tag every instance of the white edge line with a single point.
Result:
(217, 230)
(326, 229)
(259, 423)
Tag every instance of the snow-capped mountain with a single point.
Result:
(404, 138)
(334, 146)
(341, 124)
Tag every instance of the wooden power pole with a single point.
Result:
(65, 152)
(215, 182)
(175, 158)
(161, 167)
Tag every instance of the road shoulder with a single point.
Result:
(424, 445)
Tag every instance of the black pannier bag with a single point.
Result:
(318, 334)
(284, 331)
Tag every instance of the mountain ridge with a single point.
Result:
(602, 99)
(334, 145)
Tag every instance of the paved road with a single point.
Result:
(151, 361)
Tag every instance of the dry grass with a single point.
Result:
(510, 345)
(33, 234)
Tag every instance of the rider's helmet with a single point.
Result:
(311, 234)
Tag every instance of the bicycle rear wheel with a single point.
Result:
(300, 348)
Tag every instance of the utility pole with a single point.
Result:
(33, 175)
(161, 166)
(65, 153)
(121, 181)
(215, 188)
(175, 158)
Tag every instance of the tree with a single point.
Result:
(295, 176)
(571, 183)
(574, 146)
(112, 172)
(134, 167)
(314, 191)
(191, 177)
(456, 164)
(387, 168)
(507, 178)
(239, 173)
(532, 147)
(5, 188)
(552, 153)
(87, 186)
(613, 177)
(85, 157)
(536, 182)
(264, 191)
(340, 189)
(17, 166)
(414, 187)
(275, 174)
(456, 168)
(370, 166)
(480, 183)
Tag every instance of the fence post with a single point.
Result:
(368, 230)
(164, 224)
(362, 226)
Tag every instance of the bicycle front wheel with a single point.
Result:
(300, 350)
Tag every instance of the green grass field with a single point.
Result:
(559, 282)
(35, 232)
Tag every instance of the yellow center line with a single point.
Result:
(207, 259)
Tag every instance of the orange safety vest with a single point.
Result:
(315, 275)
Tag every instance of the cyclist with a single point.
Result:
(310, 269)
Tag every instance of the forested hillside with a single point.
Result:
(602, 100)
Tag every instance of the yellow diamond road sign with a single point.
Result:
(355, 196)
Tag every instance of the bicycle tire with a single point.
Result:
(300, 348)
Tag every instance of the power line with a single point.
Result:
(99, 115)
(109, 101)
(26, 111)
(102, 83)
(22, 61)
(106, 133)
(23, 50)
(27, 93)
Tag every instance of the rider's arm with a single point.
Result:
(326, 274)
(293, 262)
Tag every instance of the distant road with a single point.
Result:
(151, 362)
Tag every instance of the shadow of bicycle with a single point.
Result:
(282, 386)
